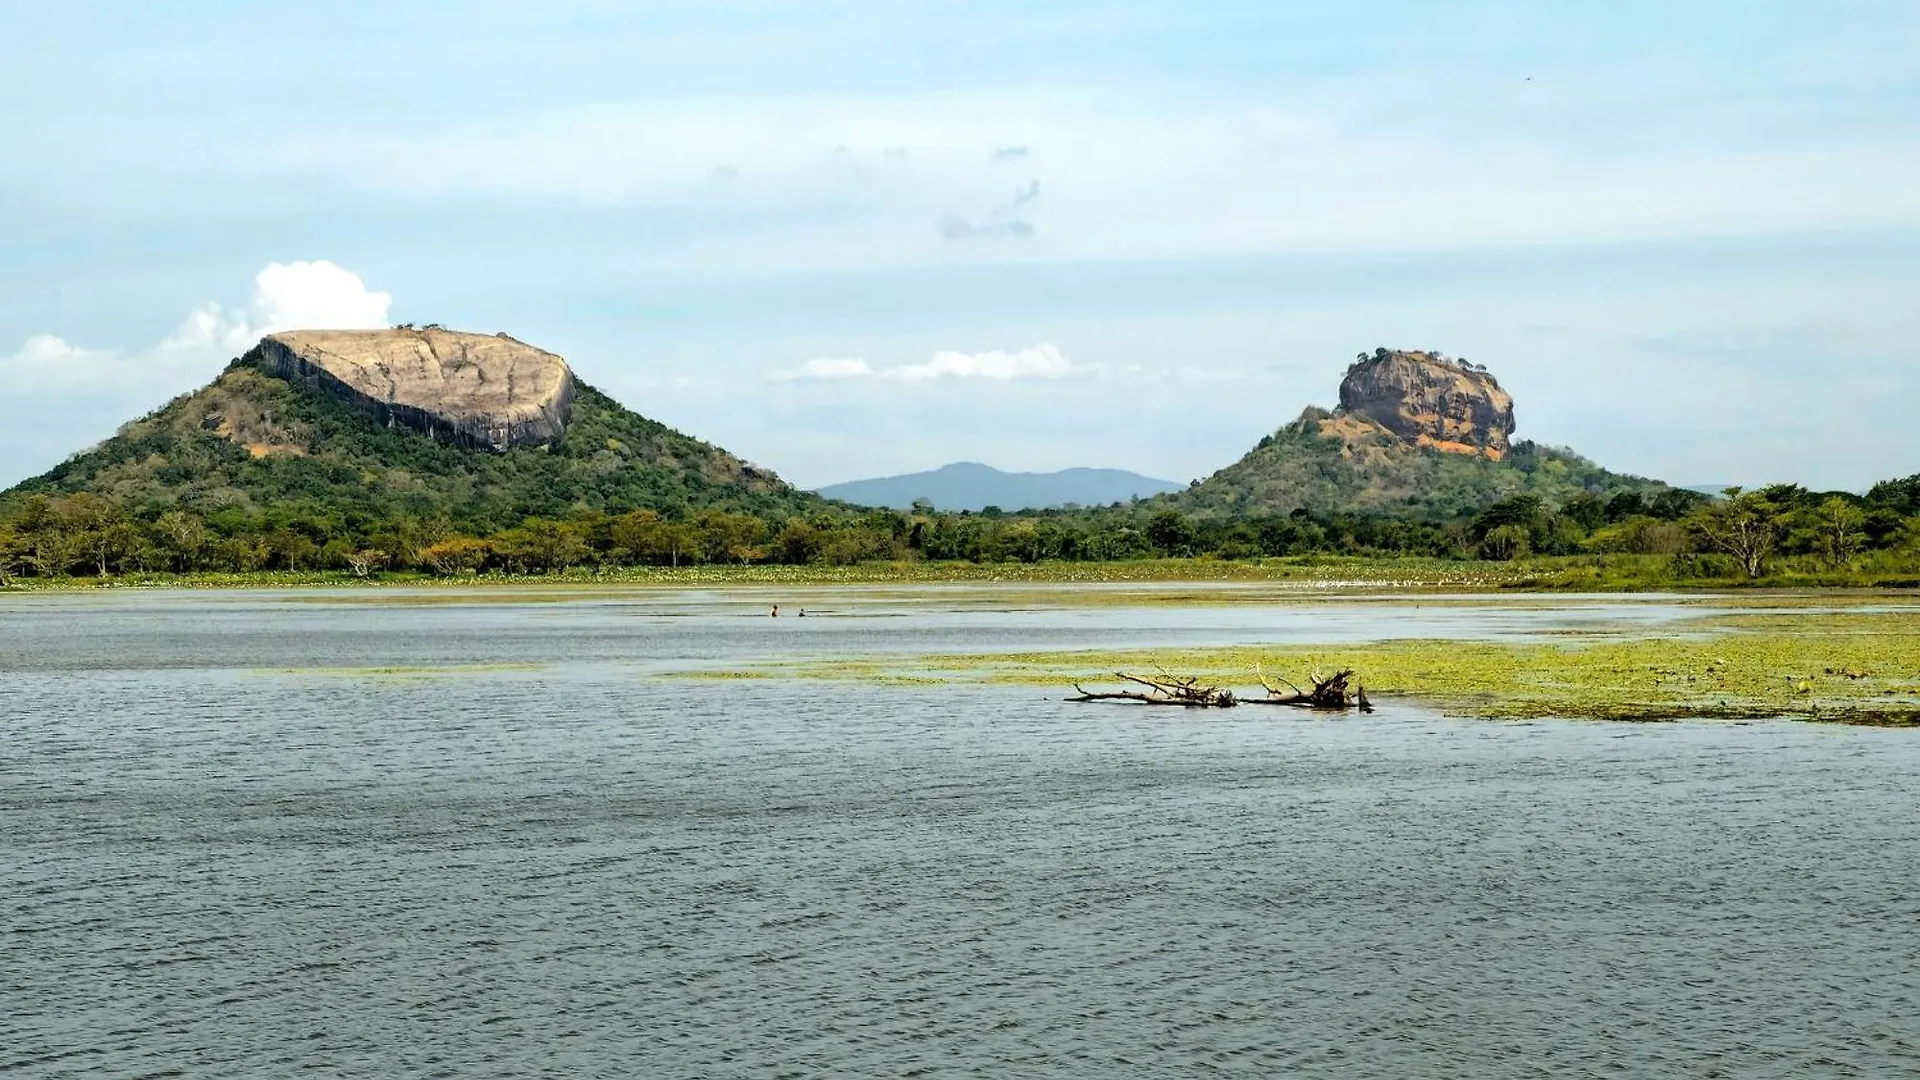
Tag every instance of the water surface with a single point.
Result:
(243, 834)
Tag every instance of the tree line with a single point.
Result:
(85, 535)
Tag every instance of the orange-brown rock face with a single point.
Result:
(1430, 400)
(478, 390)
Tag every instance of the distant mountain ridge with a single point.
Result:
(970, 485)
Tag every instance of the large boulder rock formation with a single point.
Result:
(1430, 400)
(477, 390)
(1417, 436)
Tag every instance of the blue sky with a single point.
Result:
(856, 238)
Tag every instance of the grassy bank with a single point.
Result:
(1858, 667)
(1574, 573)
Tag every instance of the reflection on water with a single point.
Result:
(222, 856)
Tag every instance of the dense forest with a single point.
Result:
(1741, 533)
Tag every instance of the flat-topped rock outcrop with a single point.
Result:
(1430, 400)
(478, 390)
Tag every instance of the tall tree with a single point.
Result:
(184, 535)
(1745, 525)
(1171, 532)
(1840, 524)
(13, 554)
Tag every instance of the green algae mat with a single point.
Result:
(1860, 667)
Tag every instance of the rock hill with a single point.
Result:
(1417, 434)
(1430, 400)
(473, 389)
(481, 429)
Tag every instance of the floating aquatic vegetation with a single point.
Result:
(1850, 667)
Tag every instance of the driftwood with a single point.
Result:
(1335, 692)
(1167, 690)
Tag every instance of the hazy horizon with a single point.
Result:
(870, 239)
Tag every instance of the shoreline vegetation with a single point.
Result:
(1545, 573)
(1779, 536)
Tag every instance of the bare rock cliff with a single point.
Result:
(478, 390)
(1430, 400)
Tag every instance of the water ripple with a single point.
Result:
(213, 865)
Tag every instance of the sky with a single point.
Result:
(857, 238)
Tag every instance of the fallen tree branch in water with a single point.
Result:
(1332, 692)
(1166, 690)
(1336, 692)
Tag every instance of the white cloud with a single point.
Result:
(826, 368)
(47, 360)
(315, 296)
(286, 296)
(1042, 361)
(58, 396)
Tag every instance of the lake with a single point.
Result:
(436, 833)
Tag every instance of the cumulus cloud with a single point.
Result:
(315, 296)
(1042, 361)
(44, 360)
(47, 365)
(58, 394)
(286, 296)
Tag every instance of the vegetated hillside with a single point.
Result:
(1418, 434)
(255, 444)
(1328, 463)
(969, 485)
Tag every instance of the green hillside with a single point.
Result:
(1326, 463)
(251, 444)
